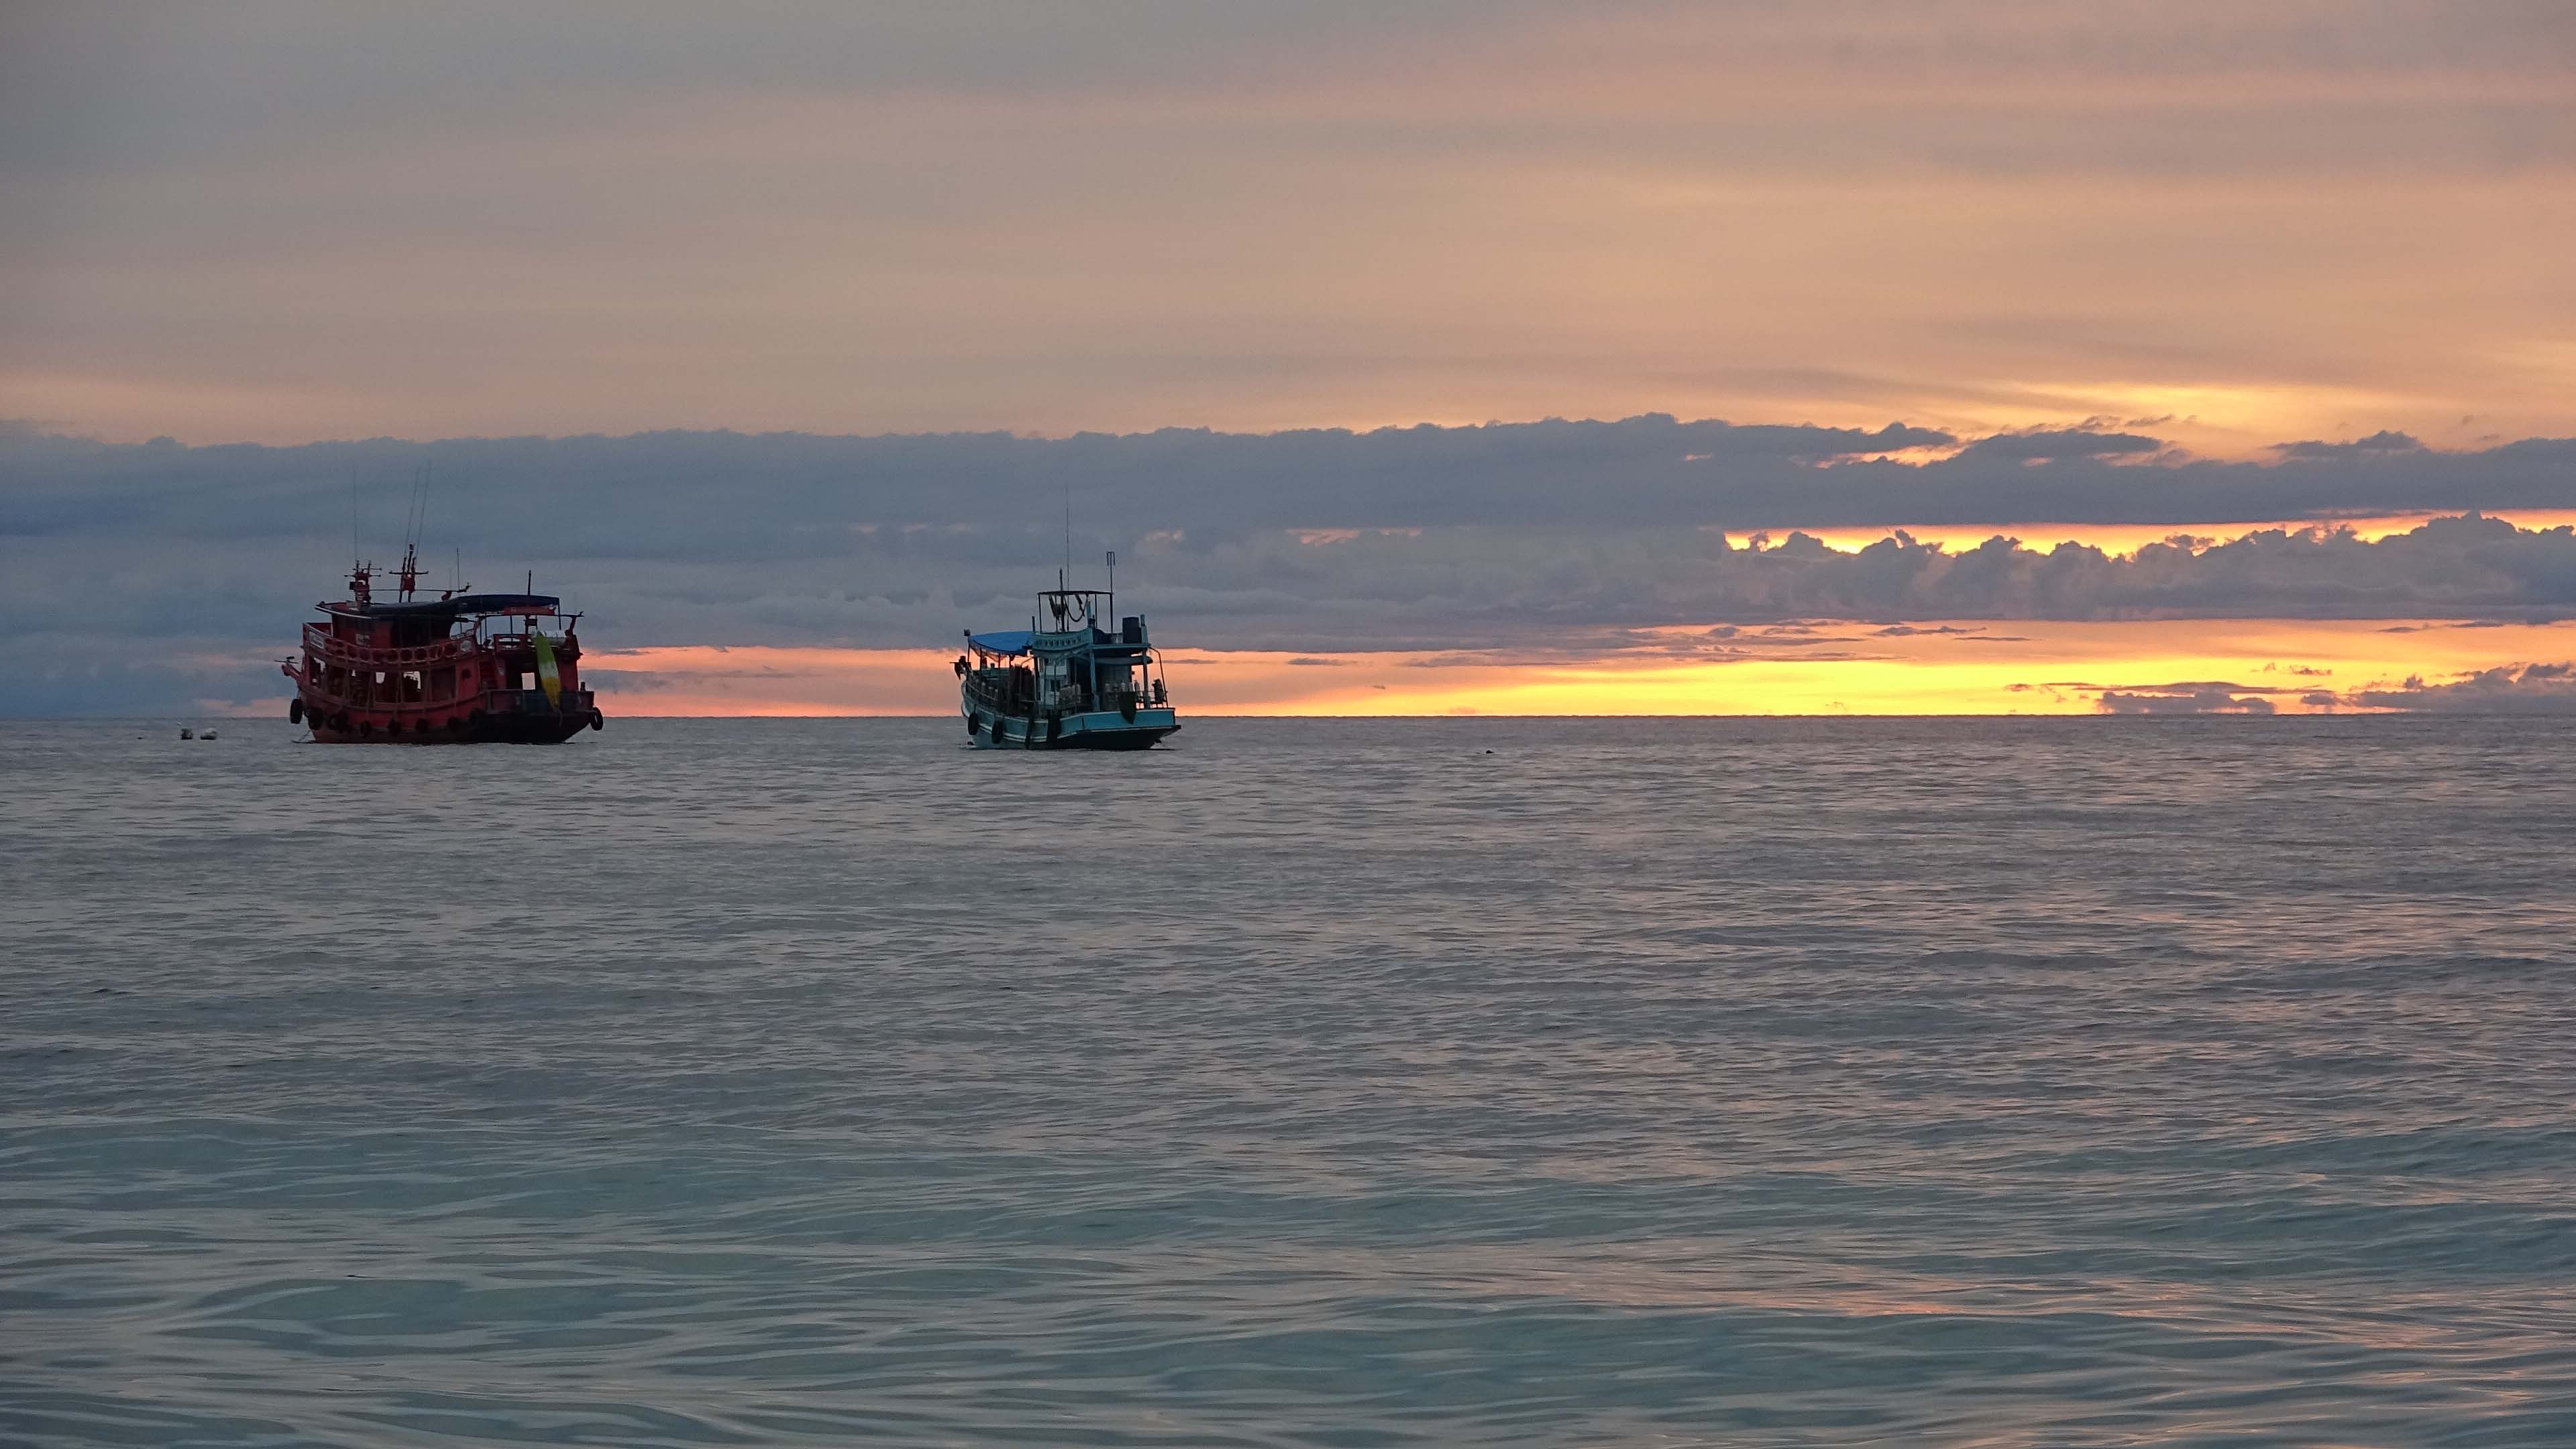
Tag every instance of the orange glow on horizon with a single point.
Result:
(1972, 667)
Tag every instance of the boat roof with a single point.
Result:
(1004, 641)
(1100, 643)
(468, 604)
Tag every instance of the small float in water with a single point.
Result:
(1071, 685)
(462, 668)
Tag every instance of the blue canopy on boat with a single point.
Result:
(1007, 641)
(468, 604)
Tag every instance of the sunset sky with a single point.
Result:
(777, 337)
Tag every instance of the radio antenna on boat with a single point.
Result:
(420, 504)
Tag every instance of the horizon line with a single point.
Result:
(2365, 439)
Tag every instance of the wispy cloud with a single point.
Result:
(280, 220)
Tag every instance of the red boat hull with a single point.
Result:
(511, 721)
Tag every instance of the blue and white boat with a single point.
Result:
(1073, 685)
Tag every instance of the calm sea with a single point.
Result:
(1307, 1083)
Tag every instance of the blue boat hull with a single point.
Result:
(1097, 730)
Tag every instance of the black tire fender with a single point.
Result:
(295, 710)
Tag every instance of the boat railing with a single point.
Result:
(1001, 691)
(1010, 693)
(320, 640)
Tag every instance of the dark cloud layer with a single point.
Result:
(2535, 689)
(652, 493)
(2513, 689)
(120, 560)
(2380, 444)
(2050, 445)
(2208, 699)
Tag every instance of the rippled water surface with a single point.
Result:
(2093, 1082)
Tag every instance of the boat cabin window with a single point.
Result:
(411, 686)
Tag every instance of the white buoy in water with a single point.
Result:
(208, 735)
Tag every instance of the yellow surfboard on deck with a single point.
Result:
(548, 676)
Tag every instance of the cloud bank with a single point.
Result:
(124, 558)
(2511, 689)
(2523, 689)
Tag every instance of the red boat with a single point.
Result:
(458, 669)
